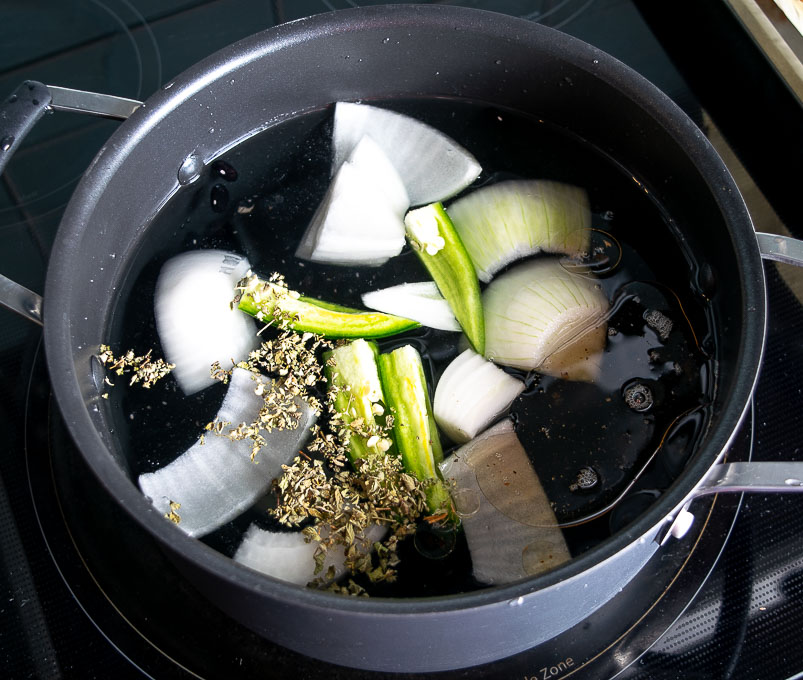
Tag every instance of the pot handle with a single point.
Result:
(780, 248)
(756, 477)
(762, 476)
(19, 112)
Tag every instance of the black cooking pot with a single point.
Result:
(386, 53)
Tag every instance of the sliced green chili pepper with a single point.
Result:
(437, 243)
(351, 371)
(414, 429)
(271, 302)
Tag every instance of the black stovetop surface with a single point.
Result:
(63, 615)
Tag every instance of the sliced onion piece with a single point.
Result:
(215, 481)
(503, 222)
(539, 316)
(470, 394)
(194, 319)
(361, 218)
(510, 527)
(432, 166)
(289, 557)
(420, 302)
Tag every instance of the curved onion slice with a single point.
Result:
(539, 316)
(361, 218)
(510, 527)
(432, 166)
(215, 481)
(194, 319)
(470, 394)
(420, 302)
(503, 222)
(288, 556)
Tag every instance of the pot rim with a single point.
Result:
(220, 65)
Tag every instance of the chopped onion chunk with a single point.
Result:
(432, 166)
(214, 481)
(289, 556)
(196, 324)
(361, 218)
(510, 527)
(540, 317)
(420, 301)
(500, 223)
(470, 394)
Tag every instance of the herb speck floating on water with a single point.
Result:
(144, 370)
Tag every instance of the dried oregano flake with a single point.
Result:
(343, 503)
(172, 515)
(291, 360)
(143, 369)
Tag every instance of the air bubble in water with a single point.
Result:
(587, 478)
(466, 502)
(659, 322)
(638, 397)
(435, 542)
(603, 256)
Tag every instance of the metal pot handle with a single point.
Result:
(755, 477)
(19, 112)
(761, 476)
(780, 248)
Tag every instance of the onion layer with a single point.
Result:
(432, 166)
(421, 302)
(470, 394)
(510, 527)
(194, 319)
(503, 222)
(540, 317)
(361, 218)
(288, 556)
(216, 480)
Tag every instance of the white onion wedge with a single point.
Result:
(432, 166)
(510, 527)
(420, 302)
(289, 557)
(503, 222)
(195, 322)
(215, 481)
(470, 394)
(361, 218)
(539, 316)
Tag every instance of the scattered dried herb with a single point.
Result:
(143, 369)
(345, 503)
(291, 361)
(173, 516)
